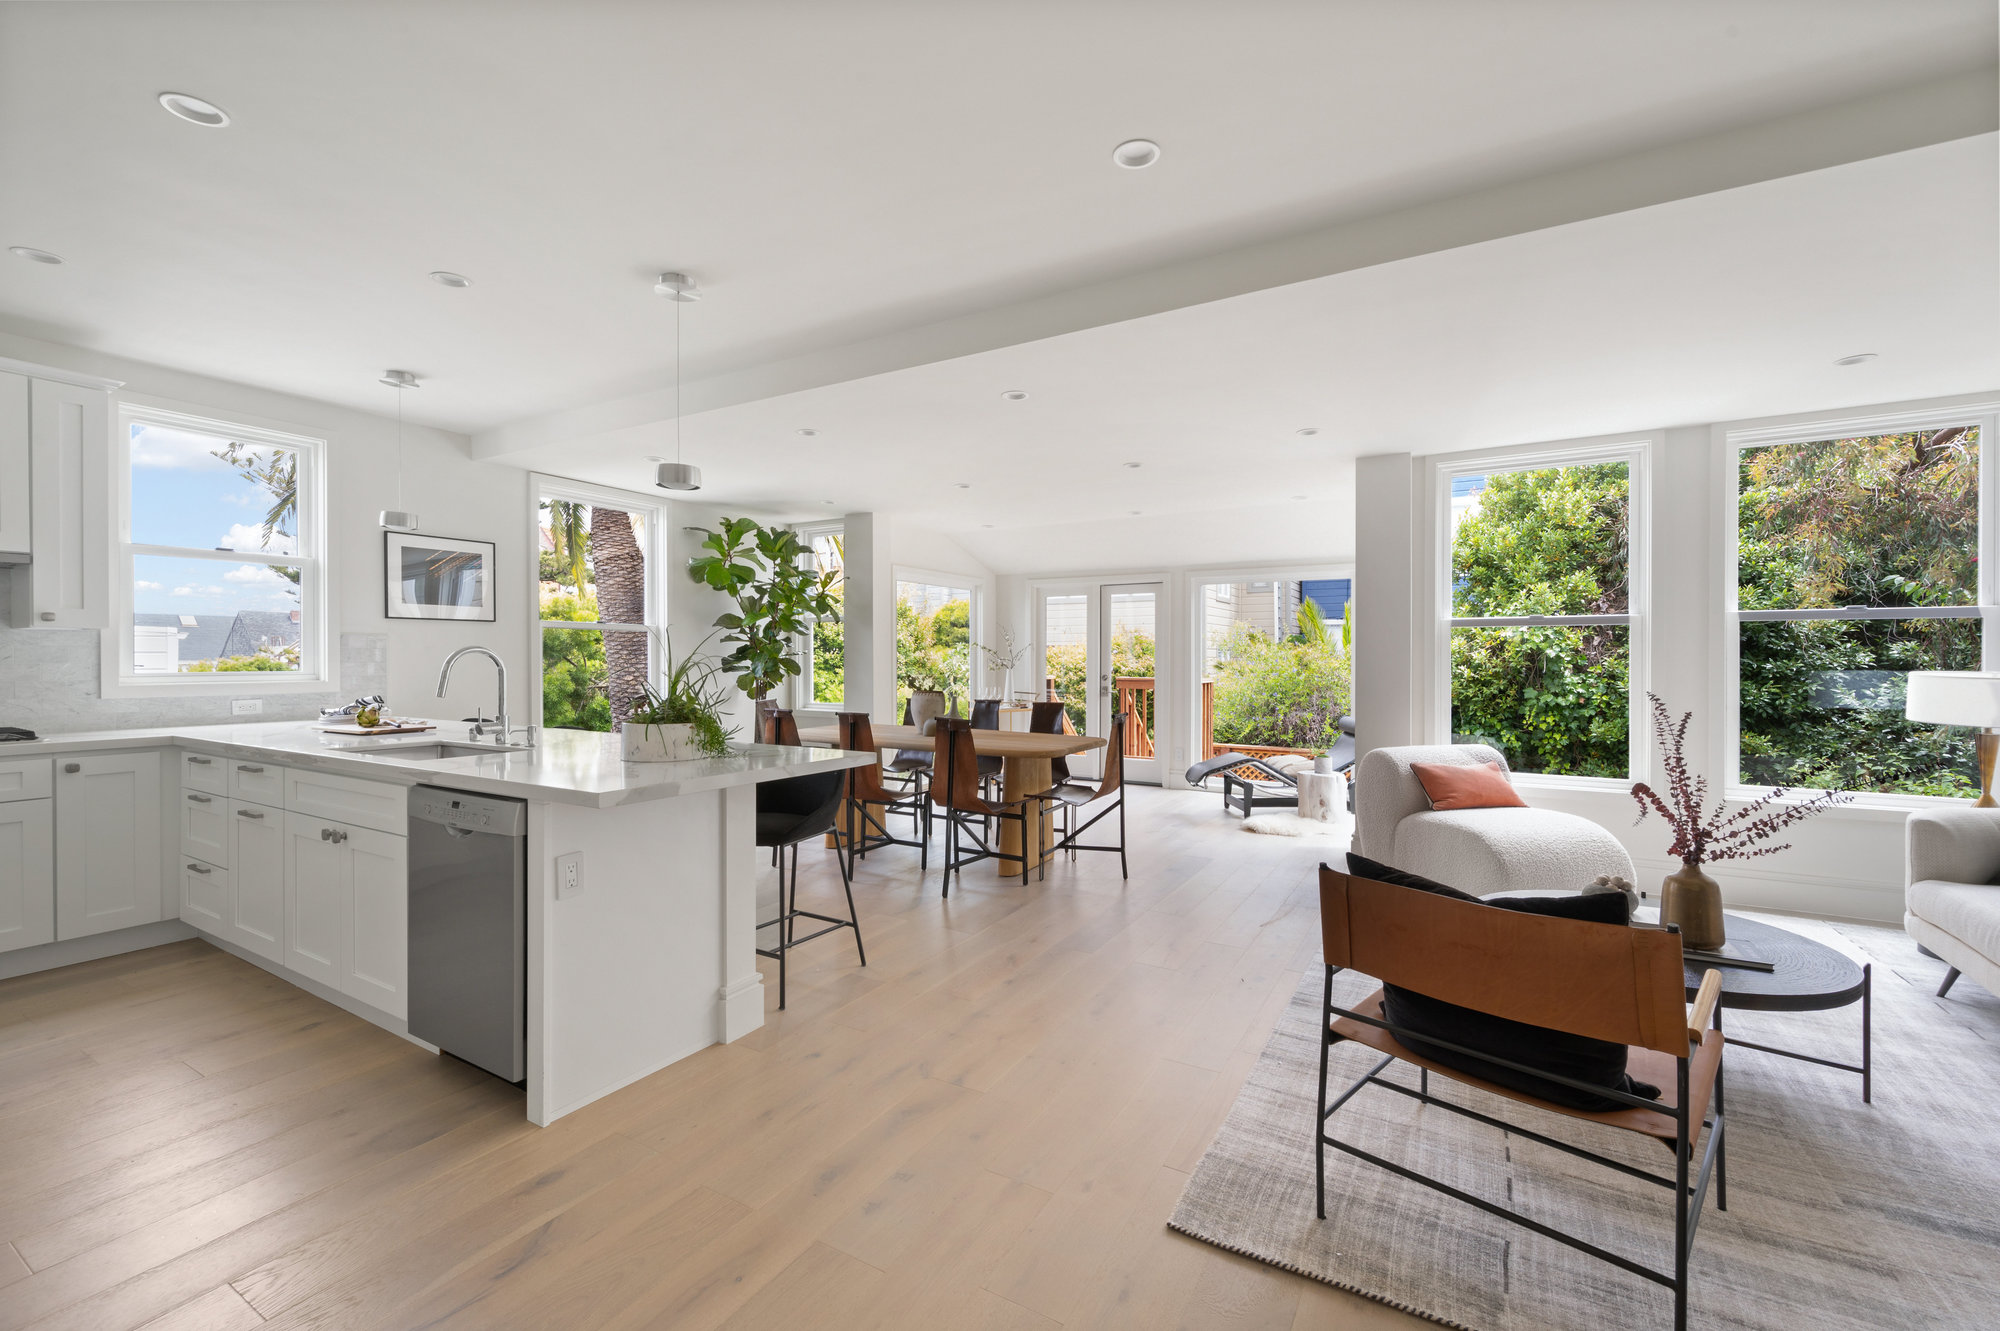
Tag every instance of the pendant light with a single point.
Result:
(681, 290)
(396, 519)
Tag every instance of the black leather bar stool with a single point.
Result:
(789, 813)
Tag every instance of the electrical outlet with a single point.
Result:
(245, 706)
(569, 875)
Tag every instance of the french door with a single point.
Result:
(1100, 646)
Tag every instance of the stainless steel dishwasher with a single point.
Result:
(469, 927)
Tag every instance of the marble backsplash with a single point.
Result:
(49, 683)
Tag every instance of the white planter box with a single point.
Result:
(659, 744)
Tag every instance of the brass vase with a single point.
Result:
(1693, 900)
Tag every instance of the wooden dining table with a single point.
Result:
(1026, 768)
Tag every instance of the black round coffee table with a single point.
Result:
(1809, 977)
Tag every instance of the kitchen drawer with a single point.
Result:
(371, 804)
(26, 779)
(258, 782)
(205, 826)
(205, 772)
(205, 896)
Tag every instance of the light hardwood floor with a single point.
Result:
(985, 1128)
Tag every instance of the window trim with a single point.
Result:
(976, 584)
(1729, 441)
(1637, 452)
(802, 683)
(319, 662)
(658, 512)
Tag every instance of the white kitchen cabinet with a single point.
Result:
(27, 874)
(260, 783)
(108, 842)
(14, 471)
(205, 827)
(69, 467)
(256, 920)
(203, 772)
(319, 875)
(346, 904)
(205, 896)
(378, 950)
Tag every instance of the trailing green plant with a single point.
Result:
(689, 694)
(778, 594)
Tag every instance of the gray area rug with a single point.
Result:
(1841, 1215)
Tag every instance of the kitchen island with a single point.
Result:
(646, 955)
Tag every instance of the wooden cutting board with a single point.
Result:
(389, 728)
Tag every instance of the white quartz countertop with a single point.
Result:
(564, 766)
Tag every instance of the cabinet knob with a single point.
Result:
(335, 835)
(72, 768)
(48, 616)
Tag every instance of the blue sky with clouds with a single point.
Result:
(183, 495)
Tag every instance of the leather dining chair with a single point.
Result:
(914, 765)
(955, 792)
(1073, 796)
(871, 801)
(780, 727)
(986, 716)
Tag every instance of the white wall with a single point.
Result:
(42, 687)
(1848, 863)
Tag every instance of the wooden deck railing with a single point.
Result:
(1135, 696)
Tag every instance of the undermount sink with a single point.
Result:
(435, 751)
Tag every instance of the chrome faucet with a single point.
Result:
(499, 730)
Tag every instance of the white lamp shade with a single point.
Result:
(1954, 698)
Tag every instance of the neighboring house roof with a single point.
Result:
(258, 628)
(199, 641)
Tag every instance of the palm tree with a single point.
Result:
(620, 569)
(569, 534)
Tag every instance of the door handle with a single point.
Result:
(202, 869)
(199, 799)
(248, 813)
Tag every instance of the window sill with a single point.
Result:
(1537, 782)
(233, 683)
(1871, 806)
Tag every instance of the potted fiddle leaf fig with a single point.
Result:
(778, 594)
(681, 718)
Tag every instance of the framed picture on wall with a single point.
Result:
(436, 577)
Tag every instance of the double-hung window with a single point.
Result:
(1543, 569)
(221, 576)
(598, 557)
(1858, 560)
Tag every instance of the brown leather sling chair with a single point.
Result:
(871, 801)
(1603, 981)
(955, 792)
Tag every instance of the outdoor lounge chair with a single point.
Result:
(1250, 783)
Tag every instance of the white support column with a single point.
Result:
(1387, 601)
(740, 1003)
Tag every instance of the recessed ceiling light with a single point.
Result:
(1858, 358)
(398, 379)
(827, 502)
(1132, 466)
(809, 434)
(194, 110)
(1136, 153)
(987, 525)
(1308, 432)
(33, 255)
(445, 279)
(1015, 395)
(1134, 512)
(961, 485)
(1298, 496)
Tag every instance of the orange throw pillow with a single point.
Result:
(1464, 786)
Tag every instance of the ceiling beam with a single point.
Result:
(1944, 109)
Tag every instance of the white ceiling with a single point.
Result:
(1726, 306)
(831, 172)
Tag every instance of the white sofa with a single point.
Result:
(1951, 903)
(1481, 851)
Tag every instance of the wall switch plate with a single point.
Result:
(245, 706)
(569, 875)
